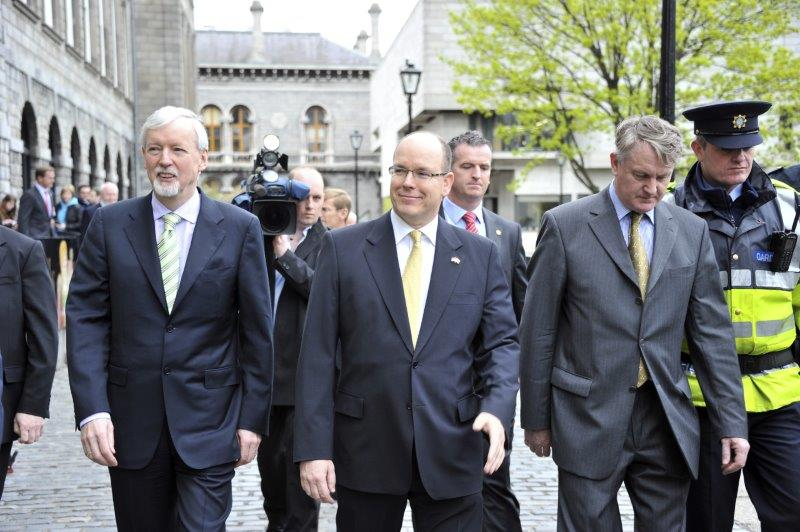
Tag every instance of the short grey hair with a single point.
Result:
(663, 137)
(447, 153)
(469, 138)
(168, 114)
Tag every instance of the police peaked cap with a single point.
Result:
(728, 125)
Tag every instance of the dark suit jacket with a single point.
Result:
(297, 269)
(33, 219)
(585, 326)
(28, 329)
(391, 399)
(206, 367)
(86, 216)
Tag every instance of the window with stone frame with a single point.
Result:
(47, 12)
(241, 129)
(69, 23)
(212, 119)
(316, 129)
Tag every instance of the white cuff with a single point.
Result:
(99, 415)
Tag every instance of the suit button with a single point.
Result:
(167, 371)
(735, 256)
(738, 312)
(632, 389)
(408, 407)
(414, 365)
(638, 301)
(170, 328)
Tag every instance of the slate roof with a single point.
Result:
(280, 49)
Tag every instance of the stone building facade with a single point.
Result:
(73, 92)
(309, 91)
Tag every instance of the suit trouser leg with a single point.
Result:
(500, 506)
(286, 505)
(5, 453)
(654, 472)
(772, 472)
(169, 495)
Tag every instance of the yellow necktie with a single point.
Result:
(642, 268)
(411, 282)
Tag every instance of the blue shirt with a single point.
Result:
(455, 216)
(647, 227)
(280, 281)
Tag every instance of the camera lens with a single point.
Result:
(275, 218)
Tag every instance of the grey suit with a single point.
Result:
(584, 328)
(507, 235)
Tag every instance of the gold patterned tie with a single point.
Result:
(411, 282)
(642, 268)
(170, 258)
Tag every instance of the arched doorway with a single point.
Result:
(107, 175)
(93, 179)
(30, 137)
(123, 190)
(54, 143)
(130, 178)
(75, 153)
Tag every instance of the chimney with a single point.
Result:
(361, 43)
(374, 11)
(257, 52)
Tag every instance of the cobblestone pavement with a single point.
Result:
(54, 487)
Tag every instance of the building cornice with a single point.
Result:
(226, 72)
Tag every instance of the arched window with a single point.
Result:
(75, 152)
(316, 124)
(94, 181)
(30, 137)
(54, 142)
(241, 128)
(107, 175)
(212, 119)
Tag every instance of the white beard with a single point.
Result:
(166, 190)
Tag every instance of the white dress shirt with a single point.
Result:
(184, 230)
(404, 243)
(647, 225)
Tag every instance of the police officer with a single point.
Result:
(749, 219)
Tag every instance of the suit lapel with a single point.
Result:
(663, 243)
(309, 242)
(206, 239)
(381, 256)
(605, 226)
(141, 234)
(443, 279)
(491, 229)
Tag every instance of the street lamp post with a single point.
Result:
(666, 78)
(410, 76)
(356, 139)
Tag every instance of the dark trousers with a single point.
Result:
(287, 506)
(771, 475)
(5, 453)
(500, 506)
(360, 511)
(168, 495)
(652, 468)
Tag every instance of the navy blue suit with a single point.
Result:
(199, 373)
(395, 407)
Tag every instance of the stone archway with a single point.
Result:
(30, 142)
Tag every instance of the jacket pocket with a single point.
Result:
(569, 382)
(468, 407)
(349, 405)
(117, 375)
(8, 279)
(220, 377)
(463, 298)
(14, 374)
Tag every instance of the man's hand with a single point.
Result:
(280, 245)
(538, 441)
(248, 446)
(734, 454)
(318, 479)
(97, 438)
(488, 423)
(28, 427)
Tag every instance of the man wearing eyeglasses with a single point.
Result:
(422, 312)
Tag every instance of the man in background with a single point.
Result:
(37, 207)
(336, 208)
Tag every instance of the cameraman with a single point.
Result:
(288, 508)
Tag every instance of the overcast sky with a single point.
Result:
(338, 20)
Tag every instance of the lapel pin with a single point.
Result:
(498, 232)
(455, 260)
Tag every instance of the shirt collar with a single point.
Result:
(402, 229)
(189, 211)
(41, 189)
(622, 210)
(454, 213)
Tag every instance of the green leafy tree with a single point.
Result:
(567, 68)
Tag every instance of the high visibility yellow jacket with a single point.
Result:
(764, 305)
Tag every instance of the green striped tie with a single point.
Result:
(169, 257)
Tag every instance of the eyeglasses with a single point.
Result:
(398, 172)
